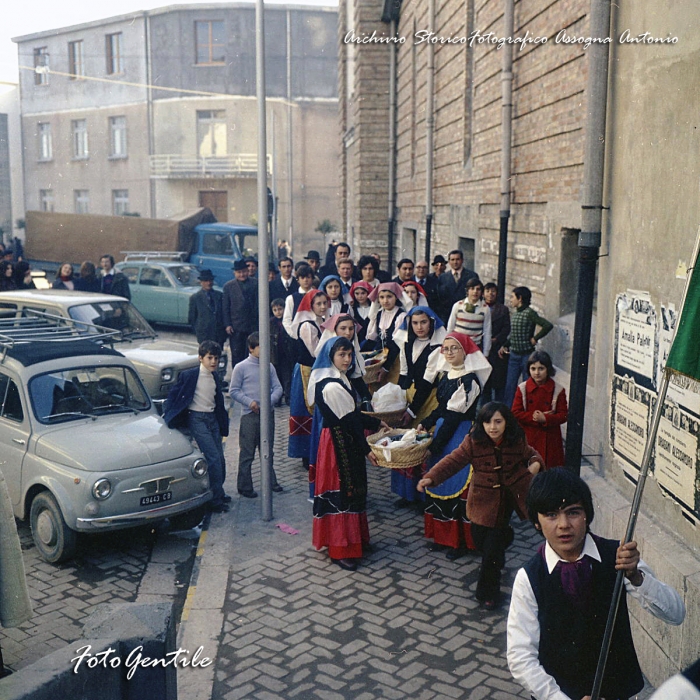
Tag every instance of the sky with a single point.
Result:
(19, 19)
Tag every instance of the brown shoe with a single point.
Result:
(347, 564)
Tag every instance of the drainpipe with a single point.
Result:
(591, 226)
(290, 135)
(506, 138)
(392, 146)
(430, 128)
(149, 113)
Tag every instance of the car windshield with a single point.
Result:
(86, 391)
(118, 315)
(186, 275)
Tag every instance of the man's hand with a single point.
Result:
(627, 560)
(502, 352)
(539, 417)
(229, 330)
(533, 342)
(254, 407)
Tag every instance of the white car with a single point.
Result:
(83, 448)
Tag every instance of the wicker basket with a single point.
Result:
(401, 459)
(372, 374)
(391, 418)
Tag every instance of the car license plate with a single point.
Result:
(157, 498)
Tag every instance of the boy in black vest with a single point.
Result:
(561, 599)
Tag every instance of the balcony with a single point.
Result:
(174, 166)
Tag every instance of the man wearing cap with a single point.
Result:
(284, 285)
(206, 315)
(240, 310)
(313, 260)
(252, 265)
(439, 265)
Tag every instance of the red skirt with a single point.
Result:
(342, 532)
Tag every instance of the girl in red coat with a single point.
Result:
(540, 407)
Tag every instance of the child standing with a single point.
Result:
(197, 401)
(502, 466)
(522, 338)
(540, 407)
(361, 306)
(245, 389)
(282, 352)
(561, 599)
(472, 316)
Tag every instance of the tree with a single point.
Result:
(326, 226)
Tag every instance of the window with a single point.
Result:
(41, 66)
(120, 202)
(80, 138)
(76, 65)
(209, 42)
(81, 199)
(46, 201)
(10, 404)
(113, 50)
(45, 145)
(217, 244)
(117, 138)
(211, 132)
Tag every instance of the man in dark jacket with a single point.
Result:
(429, 284)
(240, 311)
(452, 284)
(284, 285)
(206, 315)
(113, 282)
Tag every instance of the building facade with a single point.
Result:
(154, 113)
(651, 218)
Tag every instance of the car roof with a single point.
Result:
(61, 296)
(226, 228)
(32, 353)
(155, 263)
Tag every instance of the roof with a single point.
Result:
(32, 353)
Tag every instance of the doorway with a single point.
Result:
(217, 201)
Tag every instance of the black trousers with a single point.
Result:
(492, 542)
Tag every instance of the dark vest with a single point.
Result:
(571, 636)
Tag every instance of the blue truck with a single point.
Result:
(53, 238)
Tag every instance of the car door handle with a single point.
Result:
(19, 442)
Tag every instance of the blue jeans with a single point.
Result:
(205, 430)
(517, 367)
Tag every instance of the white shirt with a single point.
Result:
(660, 600)
(204, 392)
(288, 315)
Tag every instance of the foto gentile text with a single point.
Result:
(491, 38)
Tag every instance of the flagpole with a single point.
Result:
(637, 500)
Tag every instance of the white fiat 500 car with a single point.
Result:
(82, 447)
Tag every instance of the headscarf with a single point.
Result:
(326, 280)
(323, 368)
(328, 327)
(403, 332)
(360, 285)
(305, 312)
(403, 301)
(474, 360)
(422, 298)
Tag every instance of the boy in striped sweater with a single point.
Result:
(472, 316)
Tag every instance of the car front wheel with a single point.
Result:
(55, 541)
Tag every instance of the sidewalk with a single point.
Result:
(282, 621)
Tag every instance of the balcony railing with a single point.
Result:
(180, 166)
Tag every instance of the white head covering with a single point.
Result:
(328, 327)
(474, 360)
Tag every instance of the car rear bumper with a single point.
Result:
(113, 522)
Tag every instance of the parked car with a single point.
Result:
(161, 289)
(83, 449)
(158, 362)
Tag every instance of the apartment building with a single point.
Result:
(154, 113)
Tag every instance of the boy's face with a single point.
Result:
(305, 282)
(278, 311)
(565, 530)
(514, 301)
(255, 352)
(490, 295)
(211, 362)
(474, 294)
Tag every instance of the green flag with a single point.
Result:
(684, 357)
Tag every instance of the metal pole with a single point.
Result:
(263, 259)
(392, 147)
(591, 220)
(637, 500)
(290, 140)
(506, 136)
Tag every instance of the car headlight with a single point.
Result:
(167, 374)
(102, 489)
(199, 467)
